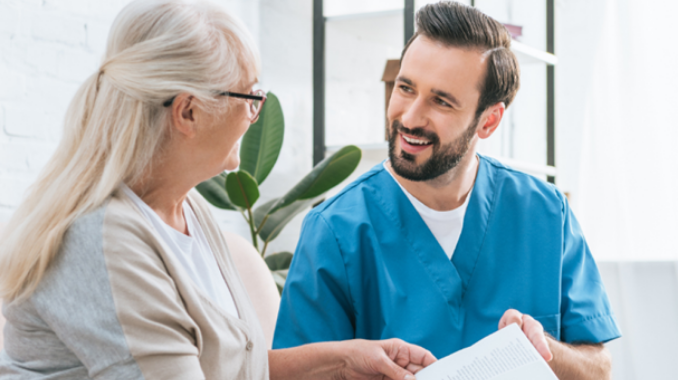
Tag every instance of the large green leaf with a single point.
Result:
(242, 189)
(279, 261)
(328, 173)
(279, 219)
(262, 142)
(335, 169)
(214, 191)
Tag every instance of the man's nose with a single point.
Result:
(415, 116)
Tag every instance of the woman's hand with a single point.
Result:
(357, 359)
(385, 359)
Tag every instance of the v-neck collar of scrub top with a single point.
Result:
(451, 276)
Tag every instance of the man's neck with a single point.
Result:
(449, 190)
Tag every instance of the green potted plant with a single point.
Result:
(239, 190)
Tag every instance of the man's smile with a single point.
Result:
(413, 145)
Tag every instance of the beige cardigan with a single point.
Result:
(117, 304)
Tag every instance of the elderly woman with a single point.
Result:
(113, 268)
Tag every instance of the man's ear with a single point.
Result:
(490, 119)
(184, 115)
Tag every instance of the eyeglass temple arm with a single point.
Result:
(243, 96)
(169, 102)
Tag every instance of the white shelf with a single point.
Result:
(528, 167)
(528, 54)
(363, 15)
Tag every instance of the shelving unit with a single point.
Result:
(319, 21)
(526, 55)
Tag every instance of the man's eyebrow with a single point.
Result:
(455, 102)
(447, 96)
(405, 80)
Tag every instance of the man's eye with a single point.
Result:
(442, 102)
(405, 88)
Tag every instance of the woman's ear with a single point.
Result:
(490, 120)
(184, 109)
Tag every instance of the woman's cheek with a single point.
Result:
(245, 126)
(232, 162)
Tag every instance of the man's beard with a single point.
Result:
(443, 158)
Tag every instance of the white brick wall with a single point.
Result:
(47, 48)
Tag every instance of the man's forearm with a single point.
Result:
(580, 362)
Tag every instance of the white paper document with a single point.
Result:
(504, 355)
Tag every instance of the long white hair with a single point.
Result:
(116, 123)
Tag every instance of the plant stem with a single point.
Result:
(263, 251)
(250, 221)
(262, 223)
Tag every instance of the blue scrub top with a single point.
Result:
(367, 266)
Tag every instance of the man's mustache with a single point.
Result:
(416, 132)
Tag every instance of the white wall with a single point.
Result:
(578, 34)
(46, 49)
(628, 161)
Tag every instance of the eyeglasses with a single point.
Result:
(256, 100)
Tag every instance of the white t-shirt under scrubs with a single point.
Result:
(446, 226)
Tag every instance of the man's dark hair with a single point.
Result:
(459, 25)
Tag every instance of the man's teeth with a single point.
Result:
(416, 141)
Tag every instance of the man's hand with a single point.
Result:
(385, 359)
(532, 329)
(584, 361)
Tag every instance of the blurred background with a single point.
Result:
(604, 99)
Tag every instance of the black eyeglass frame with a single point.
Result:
(261, 98)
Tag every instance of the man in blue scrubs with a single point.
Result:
(440, 246)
